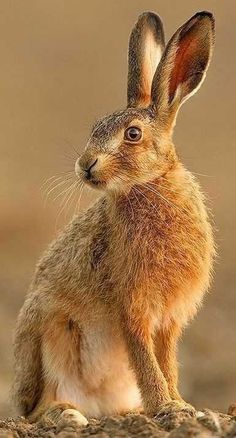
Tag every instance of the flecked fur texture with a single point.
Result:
(99, 328)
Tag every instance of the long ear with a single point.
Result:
(146, 46)
(184, 64)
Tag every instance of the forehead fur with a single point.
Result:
(105, 128)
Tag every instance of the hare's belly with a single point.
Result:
(101, 382)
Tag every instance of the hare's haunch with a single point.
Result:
(98, 332)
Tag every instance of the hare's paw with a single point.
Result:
(172, 414)
(175, 407)
(71, 419)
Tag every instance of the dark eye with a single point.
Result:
(133, 134)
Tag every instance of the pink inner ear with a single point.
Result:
(185, 59)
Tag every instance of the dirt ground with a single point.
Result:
(210, 424)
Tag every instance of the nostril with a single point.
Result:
(87, 174)
(89, 167)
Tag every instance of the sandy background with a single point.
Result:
(63, 64)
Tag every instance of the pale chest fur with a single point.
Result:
(96, 375)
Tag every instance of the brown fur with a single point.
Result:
(112, 294)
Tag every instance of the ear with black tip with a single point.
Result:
(184, 63)
(146, 46)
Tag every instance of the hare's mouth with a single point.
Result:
(95, 182)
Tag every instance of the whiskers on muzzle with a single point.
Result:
(66, 190)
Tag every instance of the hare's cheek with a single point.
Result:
(147, 162)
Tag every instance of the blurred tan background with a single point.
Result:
(63, 64)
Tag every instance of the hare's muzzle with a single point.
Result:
(85, 168)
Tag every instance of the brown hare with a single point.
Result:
(98, 332)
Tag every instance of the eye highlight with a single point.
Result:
(133, 134)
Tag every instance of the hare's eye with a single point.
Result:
(133, 134)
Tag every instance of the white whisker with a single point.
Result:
(64, 191)
(77, 206)
(61, 183)
(65, 200)
(164, 198)
(144, 196)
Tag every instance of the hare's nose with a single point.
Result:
(88, 168)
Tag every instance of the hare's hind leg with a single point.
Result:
(28, 382)
(60, 345)
(57, 412)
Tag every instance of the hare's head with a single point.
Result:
(134, 145)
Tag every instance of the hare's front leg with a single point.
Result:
(156, 391)
(151, 381)
(165, 342)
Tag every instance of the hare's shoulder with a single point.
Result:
(69, 249)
